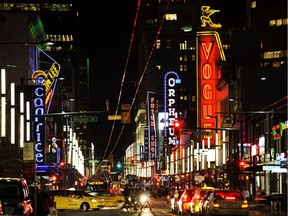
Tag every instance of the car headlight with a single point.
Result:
(93, 200)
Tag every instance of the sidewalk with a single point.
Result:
(265, 210)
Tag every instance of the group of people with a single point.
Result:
(132, 198)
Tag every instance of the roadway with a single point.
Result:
(159, 208)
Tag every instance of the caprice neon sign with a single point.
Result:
(39, 109)
(170, 80)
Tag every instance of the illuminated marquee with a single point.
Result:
(210, 51)
(171, 79)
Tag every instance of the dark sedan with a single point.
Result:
(225, 202)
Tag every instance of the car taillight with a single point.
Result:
(185, 197)
(230, 198)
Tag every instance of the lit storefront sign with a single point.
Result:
(209, 51)
(171, 80)
(277, 130)
(151, 110)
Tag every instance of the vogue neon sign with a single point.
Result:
(210, 51)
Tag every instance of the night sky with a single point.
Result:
(107, 51)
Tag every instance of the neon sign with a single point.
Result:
(39, 109)
(277, 130)
(49, 80)
(210, 51)
(205, 18)
(171, 79)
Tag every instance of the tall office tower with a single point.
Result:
(270, 19)
(56, 22)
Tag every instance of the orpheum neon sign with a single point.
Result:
(171, 80)
(210, 51)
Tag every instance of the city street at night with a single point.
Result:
(160, 208)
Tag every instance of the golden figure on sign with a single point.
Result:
(206, 20)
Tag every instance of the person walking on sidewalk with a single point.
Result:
(127, 197)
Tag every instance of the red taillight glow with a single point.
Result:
(230, 198)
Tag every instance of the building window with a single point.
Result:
(171, 17)
(183, 67)
(158, 44)
(183, 46)
(168, 44)
(253, 4)
(183, 58)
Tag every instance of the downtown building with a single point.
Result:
(25, 30)
(208, 75)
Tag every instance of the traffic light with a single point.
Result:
(119, 165)
(177, 129)
(242, 164)
(132, 160)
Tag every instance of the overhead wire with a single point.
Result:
(141, 78)
(124, 75)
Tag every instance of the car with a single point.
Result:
(110, 199)
(76, 200)
(15, 196)
(225, 202)
(174, 201)
(185, 199)
(198, 196)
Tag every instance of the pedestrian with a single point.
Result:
(246, 194)
(127, 197)
(44, 202)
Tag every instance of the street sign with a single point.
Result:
(202, 133)
(85, 118)
(93, 161)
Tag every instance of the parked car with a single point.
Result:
(185, 199)
(76, 200)
(110, 199)
(194, 204)
(225, 202)
(174, 201)
(15, 197)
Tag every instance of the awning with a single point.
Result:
(256, 168)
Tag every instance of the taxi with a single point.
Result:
(76, 200)
(198, 196)
(110, 199)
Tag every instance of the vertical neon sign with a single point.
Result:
(209, 51)
(152, 109)
(171, 79)
(39, 123)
